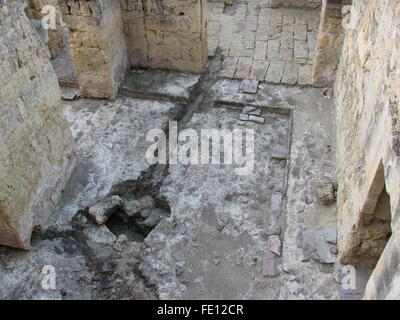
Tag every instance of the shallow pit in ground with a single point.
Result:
(137, 217)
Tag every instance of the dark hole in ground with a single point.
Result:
(138, 217)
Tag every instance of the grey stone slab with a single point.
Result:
(275, 72)
(280, 152)
(330, 235)
(290, 73)
(243, 68)
(300, 32)
(273, 49)
(276, 202)
(270, 265)
(260, 52)
(305, 74)
(229, 67)
(315, 247)
(259, 70)
(300, 51)
(274, 244)
(256, 119)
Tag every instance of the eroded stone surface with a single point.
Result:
(36, 144)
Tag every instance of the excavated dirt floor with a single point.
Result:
(190, 231)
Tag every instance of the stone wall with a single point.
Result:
(329, 43)
(35, 141)
(166, 34)
(367, 91)
(304, 4)
(98, 45)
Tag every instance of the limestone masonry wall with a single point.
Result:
(99, 50)
(306, 4)
(329, 43)
(367, 94)
(166, 34)
(36, 143)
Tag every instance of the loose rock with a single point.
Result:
(249, 86)
(103, 209)
(325, 191)
(256, 119)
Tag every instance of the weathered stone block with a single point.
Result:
(35, 140)
(98, 43)
(172, 34)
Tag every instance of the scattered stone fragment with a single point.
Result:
(216, 258)
(274, 245)
(315, 247)
(270, 265)
(279, 152)
(300, 207)
(99, 234)
(103, 209)
(248, 109)
(120, 242)
(152, 221)
(330, 235)
(251, 111)
(179, 256)
(256, 119)
(249, 86)
(325, 191)
(244, 117)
